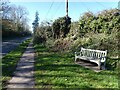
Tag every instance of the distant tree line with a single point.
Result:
(14, 20)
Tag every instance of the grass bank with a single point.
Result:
(58, 70)
(10, 61)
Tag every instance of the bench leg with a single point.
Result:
(99, 67)
(104, 65)
(99, 64)
(75, 59)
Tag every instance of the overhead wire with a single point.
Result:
(100, 4)
(85, 6)
(57, 9)
(49, 10)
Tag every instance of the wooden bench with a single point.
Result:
(95, 56)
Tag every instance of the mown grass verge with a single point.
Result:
(10, 61)
(58, 70)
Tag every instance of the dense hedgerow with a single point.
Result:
(96, 31)
(102, 31)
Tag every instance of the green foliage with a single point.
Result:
(61, 27)
(9, 30)
(50, 43)
(36, 22)
(105, 22)
(53, 34)
(74, 30)
(43, 33)
(113, 63)
(85, 25)
(62, 45)
(39, 35)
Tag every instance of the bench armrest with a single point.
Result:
(75, 53)
(78, 53)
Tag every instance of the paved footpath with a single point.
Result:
(24, 74)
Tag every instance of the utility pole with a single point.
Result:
(67, 8)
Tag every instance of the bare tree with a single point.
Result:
(14, 17)
(19, 16)
(4, 9)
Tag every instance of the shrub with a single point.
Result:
(61, 27)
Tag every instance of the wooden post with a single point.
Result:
(66, 8)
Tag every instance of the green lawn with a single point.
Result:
(10, 61)
(58, 70)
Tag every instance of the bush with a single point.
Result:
(50, 43)
(62, 44)
(39, 37)
(61, 27)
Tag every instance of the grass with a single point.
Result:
(58, 70)
(10, 61)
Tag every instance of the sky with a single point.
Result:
(53, 10)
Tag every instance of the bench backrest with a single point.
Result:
(94, 53)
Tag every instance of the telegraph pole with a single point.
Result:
(68, 21)
(67, 8)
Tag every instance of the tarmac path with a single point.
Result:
(24, 74)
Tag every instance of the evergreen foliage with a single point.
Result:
(36, 22)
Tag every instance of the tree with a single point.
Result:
(36, 22)
(5, 7)
(61, 27)
(14, 20)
